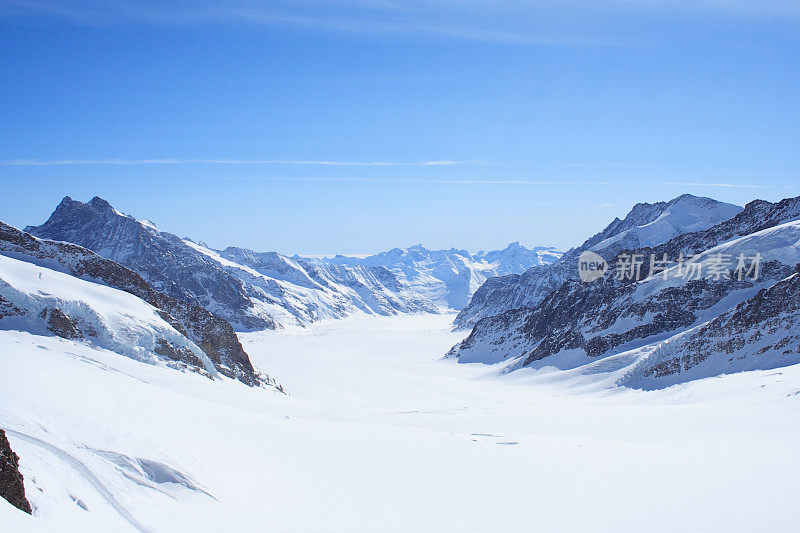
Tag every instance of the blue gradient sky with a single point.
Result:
(492, 121)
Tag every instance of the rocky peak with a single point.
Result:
(101, 205)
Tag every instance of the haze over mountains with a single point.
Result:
(449, 278)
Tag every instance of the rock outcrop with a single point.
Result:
(12, 487)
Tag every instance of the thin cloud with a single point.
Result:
(729, 185)
(89, 162)
(544, 23)
(499, 181)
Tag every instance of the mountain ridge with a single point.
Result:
(267, 290)
(645, 224)
(583, 322)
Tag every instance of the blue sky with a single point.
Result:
(355, 126)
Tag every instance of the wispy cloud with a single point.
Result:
(502, 181)
(543, 22)
(727, 185)
(89, 162)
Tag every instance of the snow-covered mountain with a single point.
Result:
(248, 289)
(101, 440)
(645, 225)
(264, 290)
(450, 277)
(624, 321)
(59, 288)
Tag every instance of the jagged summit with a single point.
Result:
(648, 224)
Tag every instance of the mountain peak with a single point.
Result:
(691, 199)
(67, 203)
(100, 204)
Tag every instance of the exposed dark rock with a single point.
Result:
(61, 324)
(243, 287)
(177, 353)
(765, 325)
(9, 309)
(12, 487)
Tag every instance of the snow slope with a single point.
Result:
(102, 316)
(210, 333)
(266, 290)
(380, 434)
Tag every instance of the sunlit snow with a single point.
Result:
(380, 434)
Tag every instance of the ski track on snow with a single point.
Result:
(83, 471)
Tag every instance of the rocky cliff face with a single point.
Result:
(12, 488)
(213, 335)
(581, 322)
(762, 332)
(646, 225)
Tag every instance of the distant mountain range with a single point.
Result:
(448, 278)
(265, 290)
(93, 274)
(662, 327)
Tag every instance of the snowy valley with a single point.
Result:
(151, 383)
(379, 433)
